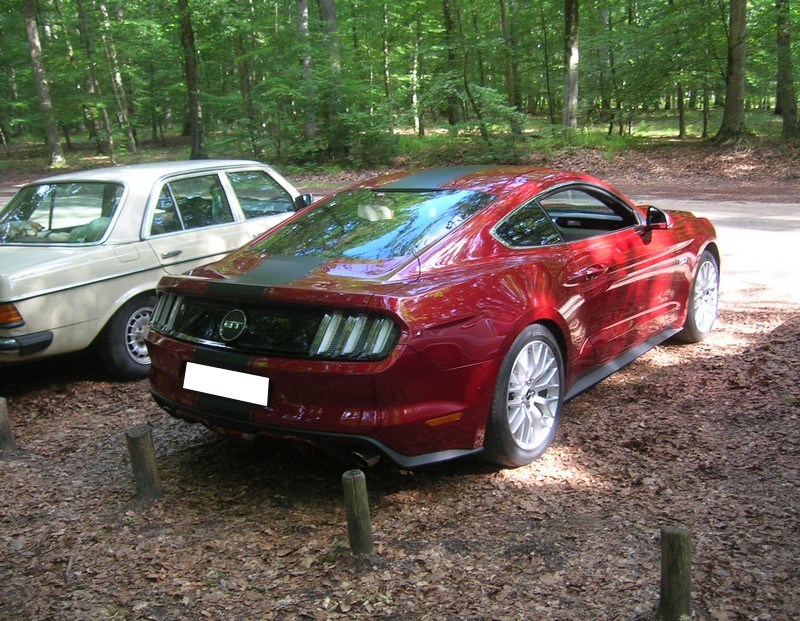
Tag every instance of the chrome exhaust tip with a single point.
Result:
(364, 460)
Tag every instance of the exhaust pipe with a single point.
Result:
(364, 460)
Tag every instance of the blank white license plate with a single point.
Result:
(224, 383)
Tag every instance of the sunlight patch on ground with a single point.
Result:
(558, 466)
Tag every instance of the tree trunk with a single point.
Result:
(551, 100)
(732, 128)
(478, 53)
(681, 96)
(571, 58)
(453, 107)
(105, 138)
(246, 90)
(336, 130)
(787, 96)
(57, 159)
(117, 86)
(416, 78)
(513, 83)
(192, 82)
(476, 108)
(387, 84)
(309, 120)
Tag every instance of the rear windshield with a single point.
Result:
(374, 224)
(77, 212)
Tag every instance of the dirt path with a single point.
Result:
(705, 436)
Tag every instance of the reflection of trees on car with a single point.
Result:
(364, 224)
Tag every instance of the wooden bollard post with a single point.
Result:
(359, 525)
(7, 443)
(675, 601)
(143, 461)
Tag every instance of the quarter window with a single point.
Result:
(527, 227)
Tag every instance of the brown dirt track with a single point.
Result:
(706, 437)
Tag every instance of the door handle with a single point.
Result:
(171, 254)
(587, 274)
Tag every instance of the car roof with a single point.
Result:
(484, 178)
(147, 174)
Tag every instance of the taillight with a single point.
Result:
(10, 317)
(354, 336)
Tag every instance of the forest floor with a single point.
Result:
(705, 437)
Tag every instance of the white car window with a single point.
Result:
(191, 203)
(259, 194)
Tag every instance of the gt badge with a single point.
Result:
(232, 325)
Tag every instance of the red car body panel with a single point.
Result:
(459, 305)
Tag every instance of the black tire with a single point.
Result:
(703, 301)
(121, 345)
(527, 399)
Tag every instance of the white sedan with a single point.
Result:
(81, 253)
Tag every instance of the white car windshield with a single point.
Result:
(72, 213)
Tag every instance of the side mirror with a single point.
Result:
(302, 201)
(657, 220)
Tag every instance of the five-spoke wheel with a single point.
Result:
(527, 400)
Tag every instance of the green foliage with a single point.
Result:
(380, 70)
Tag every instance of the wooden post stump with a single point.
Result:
(7, 443)
(359, 525)
(675, 601)
(143, 461)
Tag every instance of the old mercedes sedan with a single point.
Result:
(431, 315)
(81, 253)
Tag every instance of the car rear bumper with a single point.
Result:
(24, 345)
(357, 449)
(404, 407)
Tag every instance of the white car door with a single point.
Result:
(192, 223)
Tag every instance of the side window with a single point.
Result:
(259, 194)
(576, 201)
(527, 227)
(583, 212)
(190, 203)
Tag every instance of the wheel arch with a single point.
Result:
(558, 333)
(121, 300)
(713, 249)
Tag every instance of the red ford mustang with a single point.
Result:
(431, 315)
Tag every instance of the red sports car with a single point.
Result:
(431, 315)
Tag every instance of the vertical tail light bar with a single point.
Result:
(357, 336)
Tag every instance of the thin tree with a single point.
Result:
(192, 81)
(337, 131)
(57, 159)
(571, 58)
(117, 86)
(309, 119)
(451, 43)
(787, 96)
(551, 100)
(476, 108)
(733, 128)
(416, 76)
(513, 80)
(96, 114)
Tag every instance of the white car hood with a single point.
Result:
(31, 270)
